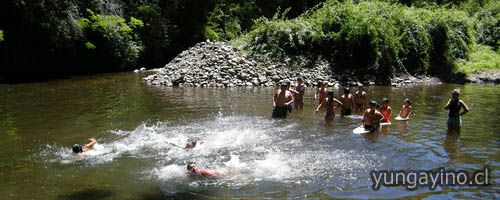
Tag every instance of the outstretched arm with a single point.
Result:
(321, 104)
(91, 143)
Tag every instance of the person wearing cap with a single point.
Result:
(372, 117)
(454, 116)
(281, 99)
(348, 102)
(299, 97)
(360, 99)
(80, 149)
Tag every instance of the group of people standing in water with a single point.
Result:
(285, 99)
(374, 113)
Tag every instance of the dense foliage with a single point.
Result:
(372, 36)
(55, 38)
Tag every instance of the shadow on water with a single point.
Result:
(90, 194)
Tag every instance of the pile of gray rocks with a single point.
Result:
(216, 64)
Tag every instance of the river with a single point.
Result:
(301, 156)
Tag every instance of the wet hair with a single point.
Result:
(373, 103)
(77, 148)
(192, 141)
(408, 100)
(283, 84)
(189, 164)
(456, 91)
(347, 90)
(385, 100)
(300, 78)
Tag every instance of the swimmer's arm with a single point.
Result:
(274, 99)
(400, 111)
(291, 101)
(352, 103)
(91, 143)
(321, 104)
(316, 94)
(336, 100)
(293, 91)
(466, 108)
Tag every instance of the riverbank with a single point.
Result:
(217, 64)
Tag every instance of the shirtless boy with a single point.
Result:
(299, 98)
(329, 103)
(406, 109)
(360, 99)
(454, 116)
(372, 117)
(281, 99)
(321, 92)
(80, 149)
(347, 101)
(294, 93)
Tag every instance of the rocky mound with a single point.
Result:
(216, 64)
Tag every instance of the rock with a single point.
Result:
(136, 71)
(276, 78)
(143, 69)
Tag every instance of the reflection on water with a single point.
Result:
(302, 156)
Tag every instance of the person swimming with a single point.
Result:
(77, 148)
(190, 143)
(372, 117)
(406, 109)
(386, 110)
(454, 116)
(193, 170)
(330, 107)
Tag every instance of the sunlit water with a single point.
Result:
(302, 156)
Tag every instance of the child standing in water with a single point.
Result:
(347, 101)
(372, 117)
(360, 99)
(406, 109)
(386, 110)
(454, 116)
(299, 98)
(330, 107)
(321, 92)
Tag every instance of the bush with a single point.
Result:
(482, 59)
(110, 34)
(369, 36)
(488, 30)
(1, 35)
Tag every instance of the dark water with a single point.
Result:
(302, 156)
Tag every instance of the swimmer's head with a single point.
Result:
(77, 148)
(407, 102)
(385, 102)
(360, 87)
(191, 143)
(283, 85)
(300, 79)
(373, 104)
(191, 167)
(347, 90)
(455, 93)
(330, 93)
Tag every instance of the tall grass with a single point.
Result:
(372, 36)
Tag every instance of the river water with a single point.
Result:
(302, 156)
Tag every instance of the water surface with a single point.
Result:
(302, 156)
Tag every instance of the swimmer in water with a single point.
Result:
(386, 110)
(347, 101)
(190, 143)
(193, 170)
(329, 102)
(294, 93)
(406, 109)
(321, 92)
(454, 116)
(372, 117)
(80, 149)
